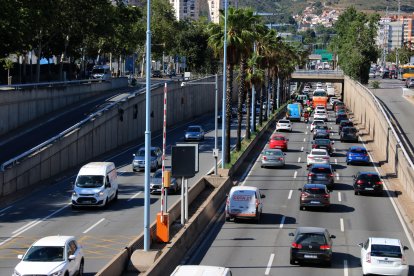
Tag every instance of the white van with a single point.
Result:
(95, 185)
(244, 202)
(101, 72)
(195, 270)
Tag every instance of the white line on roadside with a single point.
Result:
(282, 222)
(290, 194)
(301, 149)
(134, 196)
(90, 228)
(339, 197)
(397, 211)
(25, 226)
(345, 268)
(336, 161)
(32, 225)
(299, 160)
(1, 211)
(295, 174)
(341, 220)
(337, 176)
(269, 264)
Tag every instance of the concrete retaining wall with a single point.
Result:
(107, 132)
(18, 107)
(375, 130)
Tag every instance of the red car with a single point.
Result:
(278, 141)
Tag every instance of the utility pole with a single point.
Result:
(385, 39)
(397, 59)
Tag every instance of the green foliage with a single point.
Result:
(404, 55)
(375, 84)
(355, 43)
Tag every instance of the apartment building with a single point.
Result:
(395, 32)
(193, 9)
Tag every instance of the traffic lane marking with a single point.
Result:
(269, 264)
(341, 222)
(290, 194)
(93, 226)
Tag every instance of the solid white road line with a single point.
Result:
(345, 268)
(134, 196)
(299, 160)
(337, 176)
(90, 228)
(32, 225)
(301, 149)
(1, 211)
(290, 194)
(295, 174)
(25, 226)
(282, 221)
(269, 264)
(339, 197)
(341, 220)
(336, 161)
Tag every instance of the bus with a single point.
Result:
(407, 71)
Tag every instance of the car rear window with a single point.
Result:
(384, 250)
(318, 153)
(349, 130)
(316, 191)
(321, 170)
(372, 177)
(243, 195)
(322, 142)
(278, 138)
(193, 129)
(273, 153)
(361, 151)
(284, 121)
(309, 238)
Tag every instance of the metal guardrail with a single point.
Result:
(47, 84)
(35, 149)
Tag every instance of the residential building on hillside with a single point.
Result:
(193, 9)
(395, 32)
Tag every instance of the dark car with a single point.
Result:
(340, 112)
(171, 73)
(345, 123)
(340, 117)
(156, 74)
(337, 103)
(323, 144)
(357, 154)
(320, 133)
(322, 174)
(385, 74)
(314, 195)
(311, 244)
(349, 134)
(368, 182)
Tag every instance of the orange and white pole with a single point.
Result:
(164, 192)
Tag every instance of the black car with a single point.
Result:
(320, 133)
(340, 117)
(337, 103)
(311, 244)
(322, 174)
(349, 134)
(345, 123)
(323, 144)
(156, 74)
(368, 182)
(314, 195)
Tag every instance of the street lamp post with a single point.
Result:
(223, 135)
(215, 150)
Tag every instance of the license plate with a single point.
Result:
(369, 189)
(314, 202)
(87, 201)
(310, 256)
(384, 262)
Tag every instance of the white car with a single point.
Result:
(318, 156)
(53, 255)
(316, 122)
(320, 107)
(333, 99)
(284, 125)
(383, 256)
(320, 115)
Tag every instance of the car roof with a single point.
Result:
(387, 241)
(244, 188)
(314, 185)
(308, 229)
(195, 126)
(318, 121)
(53, 241)
(278, 135)
(375, 173)
(348, 127)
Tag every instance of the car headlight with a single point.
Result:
(74, 193)
(57, 273)
(15, 273)
(100, 194)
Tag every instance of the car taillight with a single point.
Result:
(314, 146)
(281, 158)
(325, 247)
(378, 183)
(264, 158)
(403, 260)
(366, 154)
(278, 124)
(331, 175)
(310, 174)
(296, 245)
(359, 182)
(257, 203)
(325, 158)
(310, 157)
(326, 195)
(368, 257)
(228, 202)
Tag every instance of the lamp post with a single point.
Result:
(223, 120)
(215, 150)
(147, 132)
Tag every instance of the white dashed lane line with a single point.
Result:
(282, 222)
(93, 226)
(341, 221)
(339, 197)
(301, 149)
(269, 264)
(299, 160)
(295, 174)
(337, 176)
(290, 194)
(134, 196)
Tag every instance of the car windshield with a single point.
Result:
(278, 138)
(193, 129)
(319, 94)
(322, 142)
(98, 71)
(273, 152)
(89, 181)
(284, 121)
(384, 250)
(360, 151)
(45, 254)
(141, 152)
(309, 238)
(319, 127)
(321, 170)
(318, 122)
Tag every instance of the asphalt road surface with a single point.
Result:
(102, 233)
(263, 249)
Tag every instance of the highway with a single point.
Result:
(102, 233)
(263, 249)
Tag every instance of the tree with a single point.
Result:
(355, 43)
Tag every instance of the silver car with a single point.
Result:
(156, 184)
(273, 158)
(138, 163)
(195, 133)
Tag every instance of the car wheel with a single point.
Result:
(81, 268)
(347, 163)
(292, 261)
(356, 193)
(116, 195)
(134, 170)
(227, 218)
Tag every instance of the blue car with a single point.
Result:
(357, 154)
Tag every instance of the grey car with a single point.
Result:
(273, 158)
(138, 163)
(314, 195)
(156, 184)
(322, 174)
(194, 133)
(349, 134)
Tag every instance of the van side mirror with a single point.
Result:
(71, 257)
(405, 247)
(108, 185)
(360, 244)
(291, 234)
(300, 189)
(333, 237)
(262, 196)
